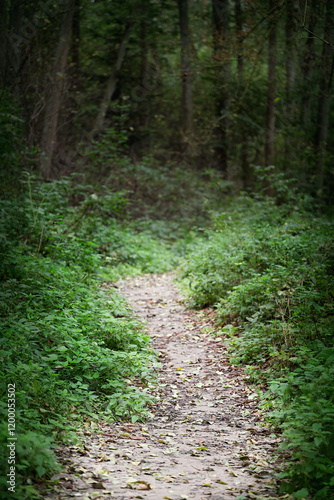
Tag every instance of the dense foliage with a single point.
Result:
(72, 348)
(268, 269)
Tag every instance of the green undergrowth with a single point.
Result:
(165, 190)
(69, 342)
(268, 268)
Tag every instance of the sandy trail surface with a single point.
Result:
(207, 438)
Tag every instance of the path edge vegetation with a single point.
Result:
(266, 266)
(77, 354)
(70, 343)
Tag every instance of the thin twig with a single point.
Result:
(40, 241)
(318, 37)
(305, 13)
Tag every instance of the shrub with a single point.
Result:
(268, 269)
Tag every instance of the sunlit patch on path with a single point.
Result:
(207, 439)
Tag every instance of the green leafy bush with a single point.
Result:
(73, 348)
(268, 269)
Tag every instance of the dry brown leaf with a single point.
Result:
(98, 485)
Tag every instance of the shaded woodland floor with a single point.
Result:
(206, 440)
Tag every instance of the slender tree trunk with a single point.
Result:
(54, 100)
(290, 56)
(144, 46)
(144, 65)
(111, 84)
(245, 170)
(221, 14)
(75, 46)
(325, 93)
(290, 72)
(186, 100)
(3, 41)
(307, 69)
(239, 25)
(14, 46)
(271, 95)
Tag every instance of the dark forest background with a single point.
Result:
(219, 85)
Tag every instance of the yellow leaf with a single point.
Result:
(143, 487)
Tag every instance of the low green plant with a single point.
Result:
(72, 347)
(268, 269)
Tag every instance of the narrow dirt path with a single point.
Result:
(207, 439)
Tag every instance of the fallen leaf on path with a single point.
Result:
(139, 485)
(98, 485)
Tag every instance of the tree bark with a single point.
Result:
(144, 65)
(290, 74)
(75, 46)
(111, 84)
(245, 170)
(290, 56)
(54, 100)
(221, 14)
(325, 93)
(307, 69)
(3, 41)
(186, 99)
(14, 46)
(271, 94)
(239, 25)
(144, 45)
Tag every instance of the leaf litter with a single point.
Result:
(207, 438)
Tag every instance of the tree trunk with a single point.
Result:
(221, 15)
(14, 46)
(111, 84)
(325, 92)
(49, 134)
(290, 56)
(290, 73)
(144, 66)
(3, 41)
(271, 95)
(245, 170)
(307, 69)
(186, 100)
(144, 46)
(75, 46)
(239, 25)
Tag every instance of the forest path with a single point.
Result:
(206, 440)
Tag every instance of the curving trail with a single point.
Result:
(207, 439)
